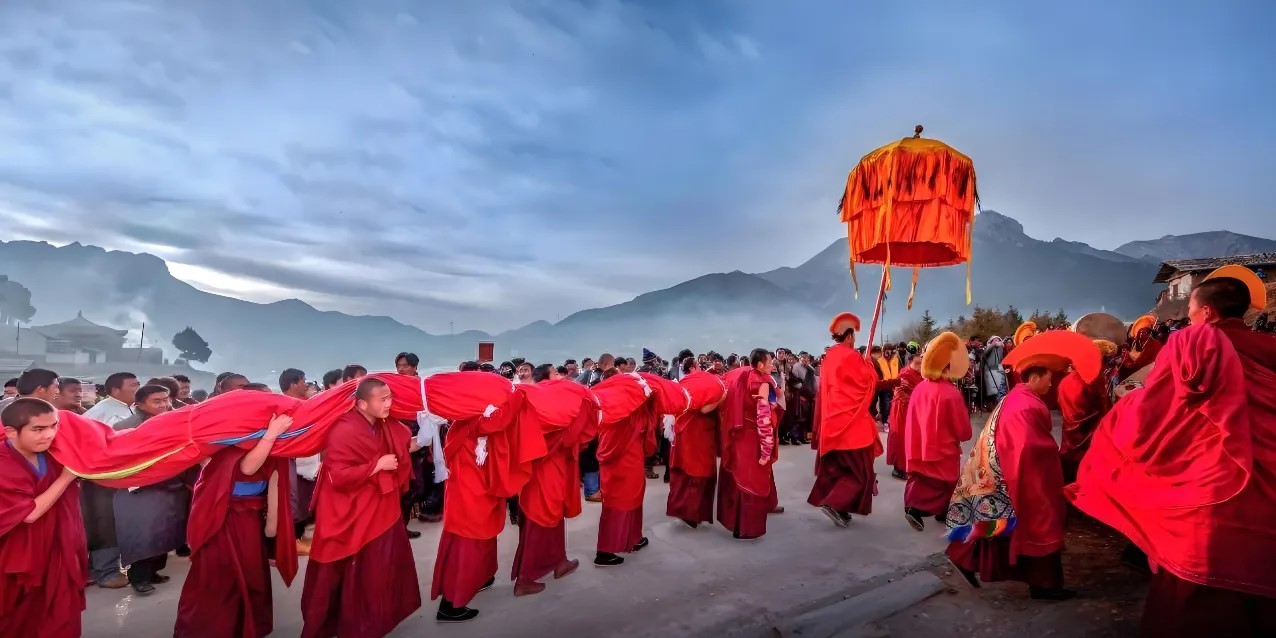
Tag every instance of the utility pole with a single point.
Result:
(140, 341)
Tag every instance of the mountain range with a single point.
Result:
(728, 312)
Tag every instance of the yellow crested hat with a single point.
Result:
(1056, 350)
(945, 351)
(1024, 331)
(1144, 322)
(1106, 347)
(1257, 289)
(843, 322)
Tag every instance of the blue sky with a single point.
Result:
(492, 163)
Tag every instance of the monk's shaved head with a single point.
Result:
(368, 386)
(1229, 297)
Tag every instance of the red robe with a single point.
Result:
(1029, 460)
(1082, 405)
(1186, 467)
(845, 439)
(938, 423)
(908, 379)
(361, 580)
(566, 413)
(474, 499)
(227, 592)
(43, 565)
(622, 447)
(1146, 357)
(692, 471)
(746, 489)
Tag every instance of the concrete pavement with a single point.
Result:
(688, 582)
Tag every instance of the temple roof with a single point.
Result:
(78, 325)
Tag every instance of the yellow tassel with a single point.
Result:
(912, 290)
(851, 253)
(970, 259)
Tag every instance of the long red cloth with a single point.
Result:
(908, 380)
(938, 423)
(1029, 459)
(43, 565)
(848, 385)
(352, 504)
(622, 447)
(1186, 467)
(567, 415)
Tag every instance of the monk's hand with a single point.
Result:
(413, 445)
(764, 461)
(278, 425)
(387, 463)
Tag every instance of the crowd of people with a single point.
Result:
(1004, 511)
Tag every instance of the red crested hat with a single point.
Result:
(843, 322)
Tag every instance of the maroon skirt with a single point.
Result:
(742, 513)
(990, 559)
(227, 592)
(462, 567)
(845, 481)
(365, 595)
(540, 550)
(927, 494)
(619, 530)
(1176, 607)
(690, 498)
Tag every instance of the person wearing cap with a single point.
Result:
(1143, 348)
(1082, 405)
(1185, 467)
(1006, 518)
(937, 424)
(909, 377)
(845, 439)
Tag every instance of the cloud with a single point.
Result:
(489, 164)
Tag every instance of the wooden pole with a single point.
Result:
(140, 340)
(877, 311)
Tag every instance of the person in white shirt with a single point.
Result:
(97, 502)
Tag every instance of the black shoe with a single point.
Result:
(413, 534)
(488, 585)
(144, 589)
(836, 516)
(899, 474)
(641, 544)
(967, 574)
(914, 518)
(159, 579)
(184, 551)
(691, 524)
(448, 613)
(666, 476)
(607, 559)
(1041, 593)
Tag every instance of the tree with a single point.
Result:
(15, 302)
(1059, 320)
(929, 328)
(1013, 318)
(192, 346)
(1042, 319)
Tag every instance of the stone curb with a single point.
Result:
(872, 605)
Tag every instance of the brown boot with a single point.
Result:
(565, 568)
(528, 589)
(596, 498)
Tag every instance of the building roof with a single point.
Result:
(1171, 268)
(78, 325)
(14, 367)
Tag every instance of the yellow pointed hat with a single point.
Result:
(945, 351)
(1257, 289)
(1144, 322)
(1024, 331)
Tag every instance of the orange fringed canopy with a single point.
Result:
(911, 203)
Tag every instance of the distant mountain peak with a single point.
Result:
(994, 224)
(1217, 243)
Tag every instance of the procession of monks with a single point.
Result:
(1184, 467)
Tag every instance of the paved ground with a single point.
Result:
(688, 582)
(702, 582)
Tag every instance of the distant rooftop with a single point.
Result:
(1171, 268)
(79, 325)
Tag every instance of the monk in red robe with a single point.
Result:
(1143, 351)
(238, 503)
(568, 416)
(909, 377)
(746, 487)
(846, 440)
(938, 423)
(1082, 405)
(1186, 468)
(1021, 493)
(361, 581)
(622, 447)
(489, 459)
(43, 551)
(693, 449)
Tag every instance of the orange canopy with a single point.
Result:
(911, 203)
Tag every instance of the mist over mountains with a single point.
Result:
(727, 312)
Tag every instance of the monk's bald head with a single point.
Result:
(1218, 298)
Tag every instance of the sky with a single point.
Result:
(486, 164)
